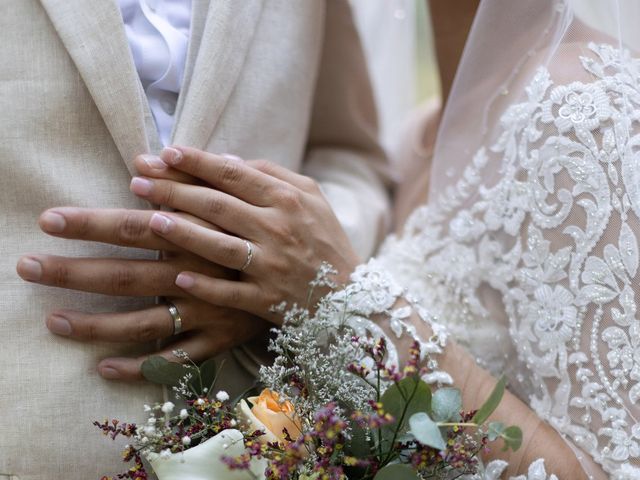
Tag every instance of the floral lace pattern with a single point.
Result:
(542, 265)
(494, 469)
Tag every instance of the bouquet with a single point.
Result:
(332, 407)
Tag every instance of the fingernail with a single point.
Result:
(185, 281)
(230, 156)
(141, 186)
(161, 223)
(29, 269)
(59, 325)
(109, 373)
(171, 156)
(52, 222)
(154, 162)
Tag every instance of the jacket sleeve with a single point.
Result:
(343, 153)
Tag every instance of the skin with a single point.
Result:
(316, 233)
(292, 228)
(451, 21)
(220, 307)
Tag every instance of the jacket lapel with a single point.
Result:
(227, 35)
(93, 33)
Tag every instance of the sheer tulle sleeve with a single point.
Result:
(536, 272)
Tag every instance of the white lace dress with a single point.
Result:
(537, 274)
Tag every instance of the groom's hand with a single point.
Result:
(208, 329)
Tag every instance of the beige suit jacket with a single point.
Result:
(277, 79)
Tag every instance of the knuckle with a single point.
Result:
(197, 165)
(289, 198)
(82, 224)
(123, 278)
(265, 166)
(168, 194)
(214, 206)
(233, 296)
(145, 330)
(231, 172)
(91, 331)
(130, 229)
(309, 185)
(60, 274)
(228, 251)
(188, 236)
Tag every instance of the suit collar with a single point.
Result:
(93, 34)
(227, 35)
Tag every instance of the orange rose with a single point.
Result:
(270, 415)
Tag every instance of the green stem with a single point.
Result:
(453, 424)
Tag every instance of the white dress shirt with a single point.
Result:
(158, 33)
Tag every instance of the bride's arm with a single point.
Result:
(540, 440)
(294, 229)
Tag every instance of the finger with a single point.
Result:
(129, 228)
(129, 369)
(220, 248)
(225, 293)
(109, 276)
(203, 202)
(140, 326)
(200, 345)
(225, 173)
(304, 183)
(153, 166)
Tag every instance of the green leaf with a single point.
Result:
(358, 446)
(410, 395)
(491, 404)
(446, 405)
(495, 430)
(426, 431)
(158, 369)
(512, 437)
(208, 372)
(396, 472)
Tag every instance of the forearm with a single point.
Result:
(451, 21)
(540, 440)
(343, 154)
(356, 193)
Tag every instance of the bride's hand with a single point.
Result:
(290, 227)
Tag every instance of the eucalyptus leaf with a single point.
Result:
(410, 395)
(491, 404)
(158, 369)
(446, 405)
(495, 430)
(208, 372)
(396, 472)
(512, 437)
(426, 431)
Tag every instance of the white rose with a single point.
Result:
(203, 462)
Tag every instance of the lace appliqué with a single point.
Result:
(542, 265)
(494, 470)
(372, 294)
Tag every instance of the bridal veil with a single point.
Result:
(528, 248)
